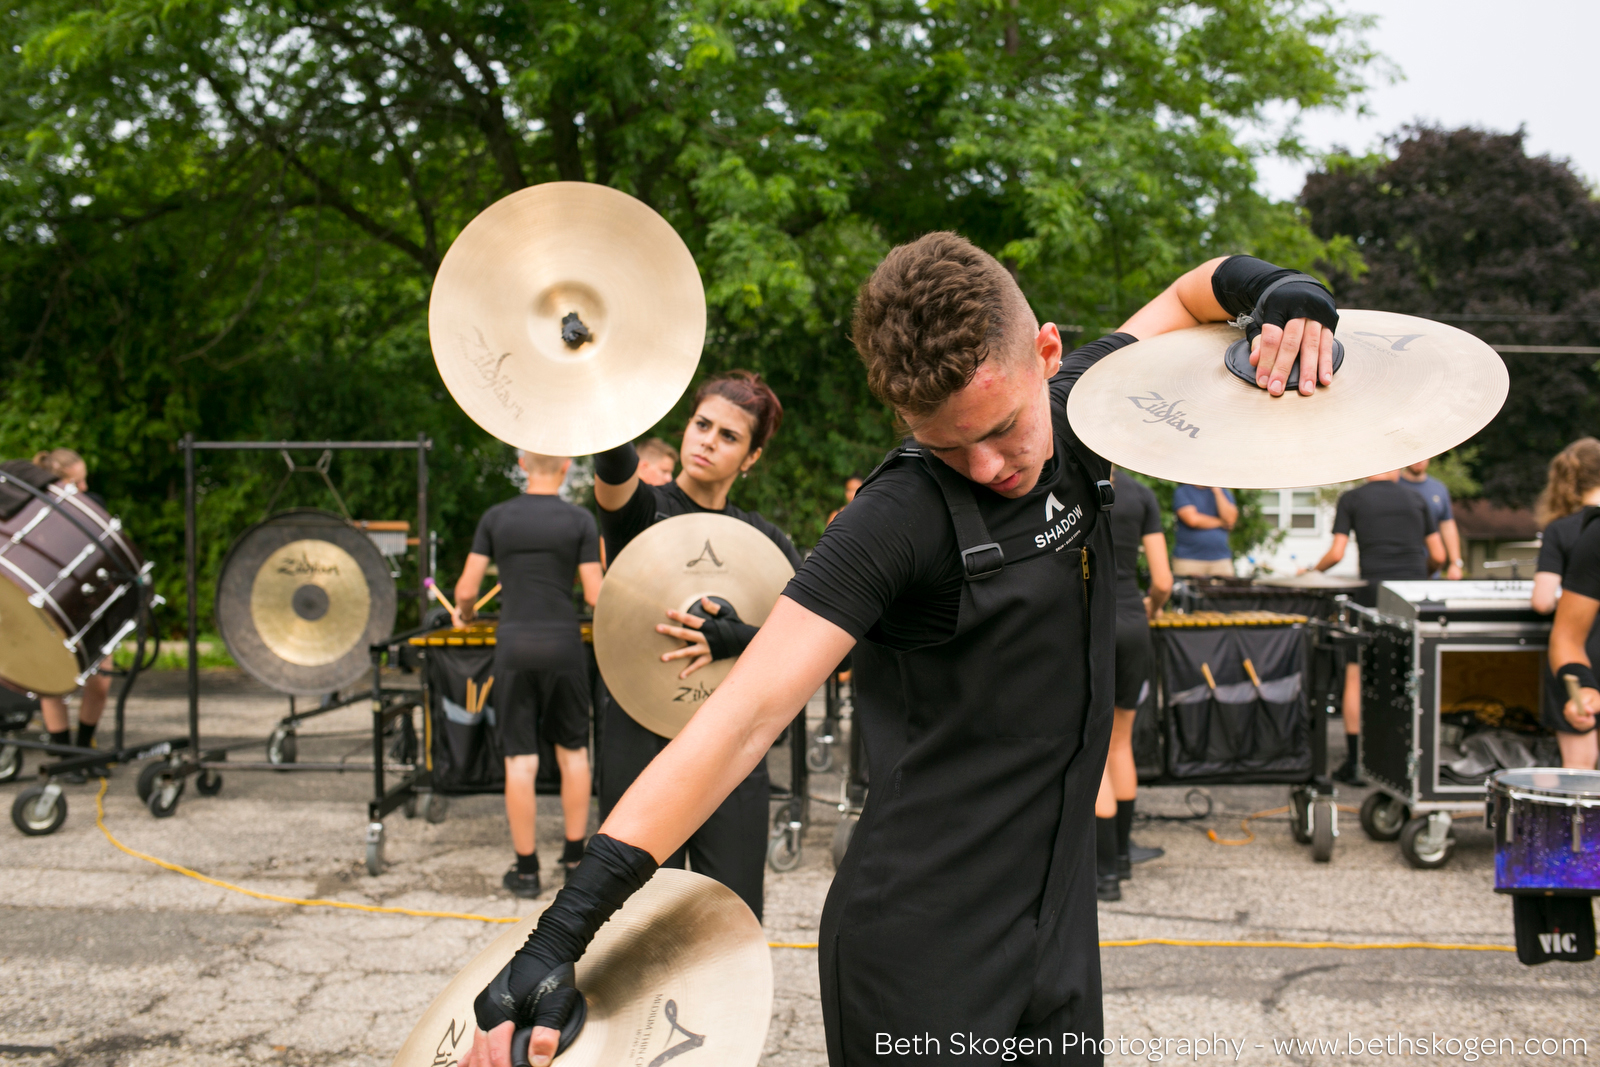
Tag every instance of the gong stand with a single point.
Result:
(388, 706)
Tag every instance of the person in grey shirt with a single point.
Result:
(1433, 491)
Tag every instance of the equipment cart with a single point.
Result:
(1447, 662)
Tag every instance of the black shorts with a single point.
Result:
(1136, 659)
(553, 702)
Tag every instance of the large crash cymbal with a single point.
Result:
(672, 565)
(1408, 390)
(301, 597)
(682, 972)
(567, 318)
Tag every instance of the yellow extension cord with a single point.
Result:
(100, 821)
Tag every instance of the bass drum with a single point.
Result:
(71, 590)
(301, 596)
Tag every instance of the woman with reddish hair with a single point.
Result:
(735, 416)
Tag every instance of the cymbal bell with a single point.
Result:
(567, 318)
(1409, 389)
(682, 965)
(672, 565)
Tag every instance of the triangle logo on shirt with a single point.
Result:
(1051, 506)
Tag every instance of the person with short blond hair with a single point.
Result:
(657, 461)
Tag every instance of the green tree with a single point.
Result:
(225, 217)
(1464, 226)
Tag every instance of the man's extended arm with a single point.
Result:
(467, 587)
(1335, 552)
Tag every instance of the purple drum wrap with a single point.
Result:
(1539, 856)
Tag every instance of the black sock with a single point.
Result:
(528, 864)
(573, 852)
(61, 737)
(86, 734)
(1124, 825)
(1354, 743)
(1105, 847)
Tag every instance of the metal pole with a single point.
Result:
(424, 556)
(192, 593)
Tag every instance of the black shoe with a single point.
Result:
(1107, 887)
(523, 885)
(1348, 774)
(1140, 854)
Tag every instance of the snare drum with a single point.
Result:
(1546, 831)
(67, 597)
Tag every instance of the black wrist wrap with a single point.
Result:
(1582, 672)
(1259, 294)
(615, 466)
(536, 986)
(727, 635)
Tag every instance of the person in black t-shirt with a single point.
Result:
(735, 416)
(539, 542)
(1399, 541)
(1569, 634)
(1570, 498)
(972, 576)
(1135, 525)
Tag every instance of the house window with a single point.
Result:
(1294, 510)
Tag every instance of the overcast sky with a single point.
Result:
(1498, 65)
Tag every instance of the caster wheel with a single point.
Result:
(1324, 829)
(147, 778)
(39, 810)
(841, 840)
(281, 746)
(1299, 815)
(10, 762)
(208, 783)
(819, 756)
(435, 807)
(375, 836)
(1383, 817)
(163, 799)
(1423, 850)
(410, 806)
(783, 851)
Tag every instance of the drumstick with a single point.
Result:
(1574, 690)
(483, 694)
(485, 598)
(440, 597)
(471, 699)
(1205, 669)
(1250, 669)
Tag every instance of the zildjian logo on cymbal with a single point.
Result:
(487, 364)
(706, 553)
(1163, 410)
(304, 567)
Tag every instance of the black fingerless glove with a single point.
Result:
(727, 635)
(537, 987)
(1582, 672)
(1245, 285)
(615, 466)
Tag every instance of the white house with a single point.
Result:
(1305, 519)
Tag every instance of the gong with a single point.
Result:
(301, 596)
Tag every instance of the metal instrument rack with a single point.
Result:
(165, 780)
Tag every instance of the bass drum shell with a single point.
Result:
(1546, 831)
(263, 617)
(104, 578)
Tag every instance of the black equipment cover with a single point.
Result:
(1236, 732)
(12, 498)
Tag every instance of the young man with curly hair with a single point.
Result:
(972, 582)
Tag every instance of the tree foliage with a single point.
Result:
(225, 217)
(1464, 226)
